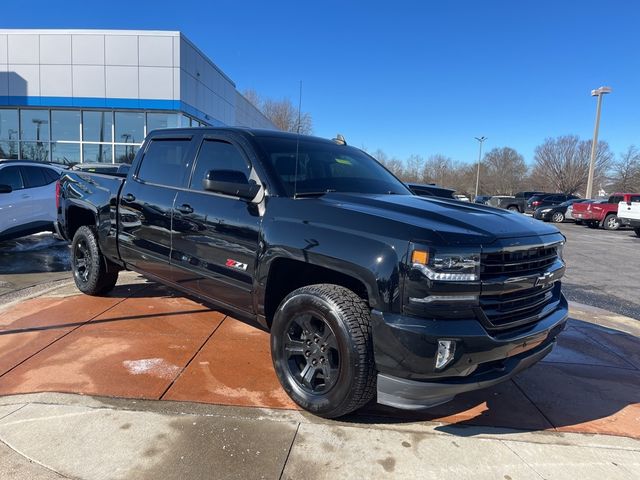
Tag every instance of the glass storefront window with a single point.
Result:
(92, 153)
(8, 124)
(185, 121)
(126, 153)
(34, 151)
(8, 150)
(162, 120)
(65, 125)
(129, 127)
(34, 125)
(65, 153)
(96, 126)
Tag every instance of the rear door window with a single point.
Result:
(165, 162)
(11, 176)
(34, 177)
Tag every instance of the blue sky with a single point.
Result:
(409, 77)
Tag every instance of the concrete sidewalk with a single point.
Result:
(53, 436)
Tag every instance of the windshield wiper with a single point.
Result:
(312, 194)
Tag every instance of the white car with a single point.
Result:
(27, 197)
(629, 213)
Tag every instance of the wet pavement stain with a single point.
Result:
(34, 254)
(389, 464)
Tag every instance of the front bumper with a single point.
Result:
(405, 349)
(545, 216)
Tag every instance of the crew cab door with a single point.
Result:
(146, 203)
(215, 237)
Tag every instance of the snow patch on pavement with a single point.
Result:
(157, 367)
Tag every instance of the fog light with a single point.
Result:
(446, 350)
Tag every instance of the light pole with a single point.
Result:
(598, 92)
(481, 140)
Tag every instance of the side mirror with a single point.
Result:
(230, 182)
(6, 189)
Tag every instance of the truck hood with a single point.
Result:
(454, 222)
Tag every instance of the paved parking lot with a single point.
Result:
(602, 268)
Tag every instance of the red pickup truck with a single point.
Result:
(603, 213)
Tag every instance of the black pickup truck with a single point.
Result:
(365, 287)
(515, 203)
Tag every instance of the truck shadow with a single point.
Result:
(589, 383)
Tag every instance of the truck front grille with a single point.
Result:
(501, 311)
(519, 308)
(518, 262)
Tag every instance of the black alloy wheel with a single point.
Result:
(92, 272)
(312, 353)
(322, 349)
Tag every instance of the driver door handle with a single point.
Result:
(184, 208)
(129, 197)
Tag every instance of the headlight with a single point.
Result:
(545, 210)
(447, 266)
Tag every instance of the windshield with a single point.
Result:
(324, 167)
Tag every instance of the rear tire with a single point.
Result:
(557, 217)
(322, 350)
(89, 266)
(637, 231)
(513, 208)
(611, 222)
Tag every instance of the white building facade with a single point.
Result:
(72, 96)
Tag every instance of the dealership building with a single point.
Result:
(71, 96)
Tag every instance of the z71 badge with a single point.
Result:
(236, 264)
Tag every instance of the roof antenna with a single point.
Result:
(295, 178)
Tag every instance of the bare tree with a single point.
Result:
(282, 113)
(562, 163)
(626, 172)
(413, 169)
(437, 169)
(503, 172)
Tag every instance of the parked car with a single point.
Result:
(515, 203)
(365, 287)
(461, 197)
(603, 213)
(482, 199)
(431, 190)
(569, 213)
(629, 213)
(547, 200)
(27, 198)
(556, 213)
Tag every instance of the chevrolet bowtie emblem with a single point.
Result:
(543, 279)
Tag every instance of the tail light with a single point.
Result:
(58, 195)
(536, 203)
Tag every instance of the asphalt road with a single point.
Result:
(602, 267)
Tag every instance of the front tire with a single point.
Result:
(611, 222)
(558, 217)
(513, 208)
(637, 231)
(89, 266)
(322, 350)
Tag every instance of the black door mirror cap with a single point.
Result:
(230, 182)
(6, 188)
